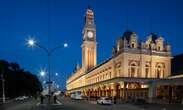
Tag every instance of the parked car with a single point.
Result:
(22, 98)
(104, 100)
(76, 96)
(72, 96)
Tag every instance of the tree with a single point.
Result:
(17, 81)
(15, 66)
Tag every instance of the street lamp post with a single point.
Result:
(49, 52)
(42, 73)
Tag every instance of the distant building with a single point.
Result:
(135, 69)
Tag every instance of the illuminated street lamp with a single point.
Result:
(58, 86)
(32, 43)
(65, 45)
(42, 73)
(56, 74)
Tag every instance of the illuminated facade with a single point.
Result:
(130, 71)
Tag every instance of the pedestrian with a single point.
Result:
(114, 99)
(42, 99)
(55, 99)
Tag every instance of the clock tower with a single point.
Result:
(89, 42)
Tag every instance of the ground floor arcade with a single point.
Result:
(119, 90)
(149, 89)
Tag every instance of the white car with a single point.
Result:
(21, 98)
(104, 100)
(72, 96)
(77, 97)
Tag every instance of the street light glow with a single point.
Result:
(56, 74)
(31, 42)
(58, 86)
(42, 73)
(65, 45)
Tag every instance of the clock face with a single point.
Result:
(90, 34)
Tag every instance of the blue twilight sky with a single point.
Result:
(53, 22)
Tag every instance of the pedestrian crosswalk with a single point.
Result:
(44, 104)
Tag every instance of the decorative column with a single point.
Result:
(125, 90)
(107, 90)
(152, 92)
(98, 92)
(121, 89)
(114, 89)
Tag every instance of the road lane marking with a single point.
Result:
(58, 103)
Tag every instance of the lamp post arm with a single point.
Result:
(42, 47)
(54, 49)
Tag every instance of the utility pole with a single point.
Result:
(3, 86)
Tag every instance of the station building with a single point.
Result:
(135, 69)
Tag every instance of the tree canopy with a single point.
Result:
(18, 82)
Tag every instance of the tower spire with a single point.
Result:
(89, 7)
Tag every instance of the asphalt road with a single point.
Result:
(68, 104)
(19, 105)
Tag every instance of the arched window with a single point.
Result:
(158, 75)
(160, 71)
(133, 70)
(159, 48)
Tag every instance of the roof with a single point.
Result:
(127, 34)
(154, 36)
(176, 76)
(102, 63)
